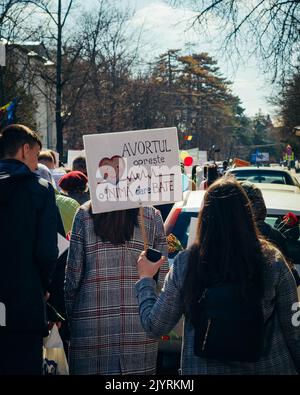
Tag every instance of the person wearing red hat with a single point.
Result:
(74, 184)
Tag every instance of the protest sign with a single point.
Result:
(133, 169)
(72, 154)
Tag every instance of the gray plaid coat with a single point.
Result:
(282, 348)
(106, 333)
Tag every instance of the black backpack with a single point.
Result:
(228, 327)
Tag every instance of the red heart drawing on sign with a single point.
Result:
(112, 168)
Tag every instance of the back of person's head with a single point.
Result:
(194, 172)
(115, 226)
(53, 156)
(73, 181)
(227, 246)
(45, 173)
(212, 174)
(257, 201)
(225, 165)
(46, 158)
(13, 137)
(79, 164)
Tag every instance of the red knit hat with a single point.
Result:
(74, 180)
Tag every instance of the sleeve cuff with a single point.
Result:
(145, 283)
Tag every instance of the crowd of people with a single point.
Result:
(103, 292)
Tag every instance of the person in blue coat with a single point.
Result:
(28, 245)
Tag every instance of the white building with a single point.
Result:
(35, 69)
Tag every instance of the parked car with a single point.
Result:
(266, 175)
(178, 222)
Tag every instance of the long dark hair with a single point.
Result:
(115, 226)
(227, 247)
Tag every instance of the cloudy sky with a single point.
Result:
(166, 28)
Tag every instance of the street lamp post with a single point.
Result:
(59, 134)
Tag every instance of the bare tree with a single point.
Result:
(14, 27)
(58, 17)
(269, 28)
(108, 59)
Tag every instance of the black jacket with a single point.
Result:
(28, 246)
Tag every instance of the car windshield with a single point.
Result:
(261, 176)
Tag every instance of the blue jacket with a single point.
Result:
(28, 245)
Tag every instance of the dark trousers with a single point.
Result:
(21, 354)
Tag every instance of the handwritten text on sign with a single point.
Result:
(129, 169)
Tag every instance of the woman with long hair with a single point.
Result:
(228, 251)
(106, 336)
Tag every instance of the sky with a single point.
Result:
(165, 27)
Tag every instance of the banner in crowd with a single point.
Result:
(202, 157)
(72, 154)
(132, 169)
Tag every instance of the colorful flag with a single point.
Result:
(11, 111)
(4, 108)
(188, 138)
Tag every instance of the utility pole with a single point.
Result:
(59, 135)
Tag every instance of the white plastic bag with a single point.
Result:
(54, 357)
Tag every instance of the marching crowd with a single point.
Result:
(102, 293)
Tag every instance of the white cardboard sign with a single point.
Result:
(72, 154)
(202, 157)
(133, 169)
(62, 243)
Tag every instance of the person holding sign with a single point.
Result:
(235, 290)
(106, 332)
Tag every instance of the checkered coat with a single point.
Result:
(282, 343)
(106, 332)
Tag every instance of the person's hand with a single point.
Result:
(47, 296)
(147, 268)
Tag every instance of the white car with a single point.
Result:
(278, 203)
(267, 177)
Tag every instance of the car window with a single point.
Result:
(293, 246)
(182, 226)
(271, 177)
